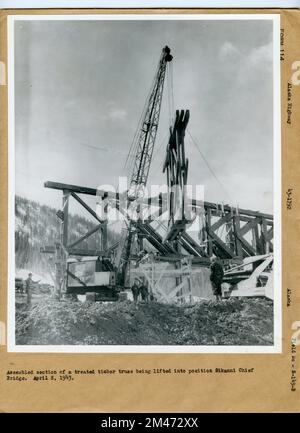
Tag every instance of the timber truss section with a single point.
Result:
(226, 232)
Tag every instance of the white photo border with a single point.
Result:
(188, 349)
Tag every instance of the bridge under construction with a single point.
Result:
(157, 244)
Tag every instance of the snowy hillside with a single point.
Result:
(37, 225)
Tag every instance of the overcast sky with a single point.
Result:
(80, 87)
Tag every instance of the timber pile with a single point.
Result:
(230, 322)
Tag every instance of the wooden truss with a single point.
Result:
(155, 273)
(176, 168)
(226, 232)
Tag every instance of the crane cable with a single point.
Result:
(170, 92)
(130, 160)
(213, 174)
(134, 144)
(208, 165)
(170, 95)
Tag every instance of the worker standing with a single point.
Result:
(136, 290)
(216, 277)
(29, 286)
(144, 293)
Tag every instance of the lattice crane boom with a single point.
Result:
(144, 145)
(147, 134)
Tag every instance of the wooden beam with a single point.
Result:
(189, 242)
(221, 244)
(221, 221)
(207, 227)
(76, 278)
(65, 223)
(93, 213)
(112, 247)
(245, 244)
(250, 225)
(269, 234)
(265, 235)
(71, 188)
(228, 208)
(202, 261)
(255, 240)
(48, 249)
(104, 236)
(176, 289)
(84, 252)
(58, 269)
(238, 244)
(195, 203)
(87, 235)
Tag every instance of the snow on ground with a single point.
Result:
(44, 279)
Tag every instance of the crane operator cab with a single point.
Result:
(92, 276)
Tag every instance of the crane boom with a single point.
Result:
(148, 131)
(144, 146)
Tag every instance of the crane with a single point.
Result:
(148, 131)
(144, 145)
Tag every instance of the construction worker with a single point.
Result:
(136, 290)
(216, 277)
(29, 283)
(144, 293)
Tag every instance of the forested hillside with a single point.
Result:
(37, 225)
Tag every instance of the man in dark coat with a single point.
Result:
(144, 293)
(136, 289)
(216, 278)
(29, 284)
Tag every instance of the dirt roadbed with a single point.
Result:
(247, 321)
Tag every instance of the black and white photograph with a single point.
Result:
(144, 183)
